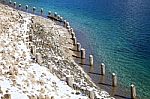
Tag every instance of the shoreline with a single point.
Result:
(83, 75)
(104, 82)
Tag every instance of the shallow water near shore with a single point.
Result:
(116, 32)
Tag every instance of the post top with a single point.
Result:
(61, 18)
(68, 23)
(74, 37)
(132, 85)
(78, 43)
(72, 32)
(82, 49)
(91, 56)
(68, 26)
(55, 12)
(113, 74)
(102, 64)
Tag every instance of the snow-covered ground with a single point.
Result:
(21, 77)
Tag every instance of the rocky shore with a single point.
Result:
(36, 62)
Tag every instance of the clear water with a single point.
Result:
(117, 32)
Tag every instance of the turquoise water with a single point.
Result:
(117, 32)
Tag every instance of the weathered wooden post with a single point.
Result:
(41, 11)
(114, 80)
(10, 2)
(78, 47)
(49, 13)
(20, 6)
(82, 53)
(71, 30)
(34, 8)
(72, 35)
(26, 7)
(65, 23)
(33, 50)
(91, 62)
(69, 80)
(68, 27)
(15, 4)
(133, 92)
(74, 41)
(102, 68)
(55, 14)
(39, 58)
(92, 95)
(58, 16)
(61, 18)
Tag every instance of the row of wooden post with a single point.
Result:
(91, 61)
(114, 77)
(79, 49)
(34, 9)
(70, 82)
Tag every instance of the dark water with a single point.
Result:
(116, 32)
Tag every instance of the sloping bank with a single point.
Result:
(36, 61)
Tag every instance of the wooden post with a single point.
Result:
(33, 49)
(65, 23)
(71, 29)
(61, 18)
(26, 7)
(41, 11)
(34, 8)
(92, 95)
(133, 92)
(68, 27)
(58, 16)
(49, 13)
(38, 58)
(74, 41)
(72, 35)
(91, 60)
(78, 47)
(82, 53)
(15, 4)
(55, 14)
(20, 6)
(114, 80)
(10, 2)
(69, 80)
(102, 68)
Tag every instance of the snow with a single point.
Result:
(31, 78)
